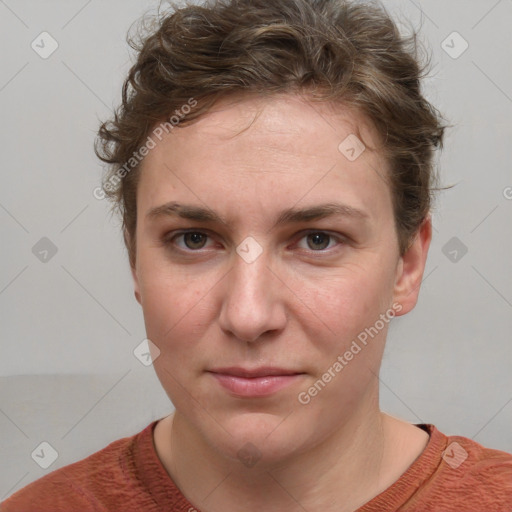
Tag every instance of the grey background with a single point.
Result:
(69, 325)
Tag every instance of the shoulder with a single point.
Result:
(469, 477)
(81, 485)
(470, 463)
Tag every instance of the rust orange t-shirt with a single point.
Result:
(452, 474)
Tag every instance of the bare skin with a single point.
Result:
(318, 283)
(403, 444)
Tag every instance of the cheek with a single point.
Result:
(346, 301)
(170, 301)
(175, 317)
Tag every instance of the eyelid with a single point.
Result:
(341, 239)
(170, 237)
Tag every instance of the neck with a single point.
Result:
(355, 463)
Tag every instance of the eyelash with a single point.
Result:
(169, 240)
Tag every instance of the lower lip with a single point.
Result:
(257, 386)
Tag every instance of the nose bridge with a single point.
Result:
(251, 303)
(249, 276)
(251, 265)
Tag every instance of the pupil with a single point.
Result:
(319, 240)
(194, 240)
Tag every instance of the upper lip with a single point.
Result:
(265, 371)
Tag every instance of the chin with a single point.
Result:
(256, 439)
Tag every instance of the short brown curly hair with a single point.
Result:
(333, 50)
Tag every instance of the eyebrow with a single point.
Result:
(288, 216)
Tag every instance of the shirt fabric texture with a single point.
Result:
(452, 474)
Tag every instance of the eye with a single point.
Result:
(190, 240)
(319, 240)
(194, 241)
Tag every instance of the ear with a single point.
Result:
(136, 285)
(128, 243)
(410, 268)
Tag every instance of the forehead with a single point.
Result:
(270, 150)
(271, 120)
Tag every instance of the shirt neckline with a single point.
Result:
(414, 478)
(153, 475)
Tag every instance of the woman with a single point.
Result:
(272, 161)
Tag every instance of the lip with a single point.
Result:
(249, 373)
(253, 383)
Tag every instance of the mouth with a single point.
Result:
(256, 382)
(263, 371)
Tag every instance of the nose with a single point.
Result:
(252, 302)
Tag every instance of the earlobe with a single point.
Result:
(410, 268)
(136, 290)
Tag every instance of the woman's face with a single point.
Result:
(266, 243)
